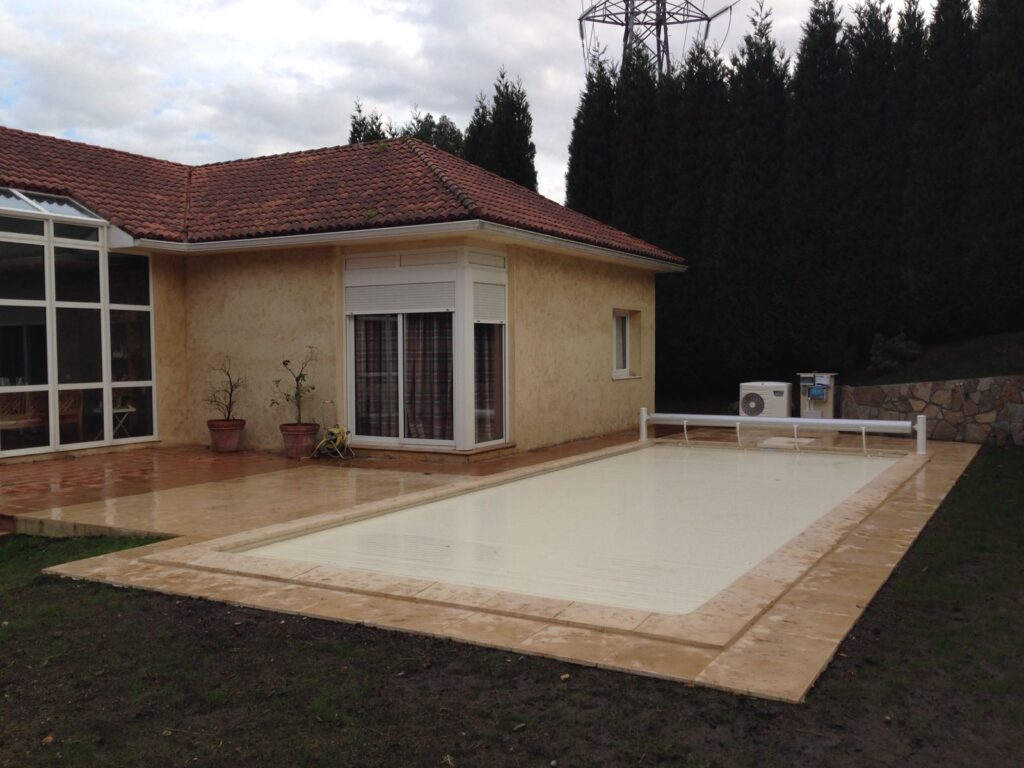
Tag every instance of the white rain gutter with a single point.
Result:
(476, 226)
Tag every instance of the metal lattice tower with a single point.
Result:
(646, 22)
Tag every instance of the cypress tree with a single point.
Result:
(869, 222)
(748, 307)
(476, 147)
(697, 152)
(588, 180)
(499, 134)
(635, 99)
(938, 226)
(997, 165)
(906, 94)
(813, 200)
(511, 133)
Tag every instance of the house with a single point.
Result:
(452, 310)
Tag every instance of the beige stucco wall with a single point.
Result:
(170, 351)
(259, 308)
(561, 309)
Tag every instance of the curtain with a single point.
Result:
(488, 364)
(376, 374)
(428, 376)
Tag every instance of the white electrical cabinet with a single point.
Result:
(818, 392)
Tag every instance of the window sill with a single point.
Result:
(625, 376)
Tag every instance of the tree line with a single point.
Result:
(833, 208)
(499, 136)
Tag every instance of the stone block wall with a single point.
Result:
(988, 410)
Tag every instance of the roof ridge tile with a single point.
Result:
(461, 195)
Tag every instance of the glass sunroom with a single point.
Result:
(76, 330)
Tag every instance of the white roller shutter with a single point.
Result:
(488, 302)
(406, 297)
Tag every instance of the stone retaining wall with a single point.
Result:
(988, 410)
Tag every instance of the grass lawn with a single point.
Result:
(933, 675)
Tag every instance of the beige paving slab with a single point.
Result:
(214, 509)
(578, 644)
(772, 666)
(658, 658)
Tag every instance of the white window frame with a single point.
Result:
(53, 387)
(460, 265)
(618, 316)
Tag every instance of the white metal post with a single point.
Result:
(922, 434)
(643, 425)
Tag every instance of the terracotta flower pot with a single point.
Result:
(299, 439)
(225, 434)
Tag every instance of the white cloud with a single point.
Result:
(206, 80)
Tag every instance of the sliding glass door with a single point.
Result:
(403, 375)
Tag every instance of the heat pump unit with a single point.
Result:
(765, 398)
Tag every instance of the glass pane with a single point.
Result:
(63, 206)
(130, 358)
(81, 415)
(22, 346)
(76, 232)
(489, 381)
(78, 346)
(621, 331)
(22, 274)
(129, 279)
(24, 421)
(428, 376)
(77, 274)
(132, 412)
(376, 375)
(10, 200)
(21, 226)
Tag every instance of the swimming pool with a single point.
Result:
(664, 528)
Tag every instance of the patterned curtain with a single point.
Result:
(376, 374)
(428, 376)
(488, 362)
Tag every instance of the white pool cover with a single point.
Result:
(664, 528)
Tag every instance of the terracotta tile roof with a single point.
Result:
(364, 186)
(142, 196)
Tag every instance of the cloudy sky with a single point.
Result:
(204, 80)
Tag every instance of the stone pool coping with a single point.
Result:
(769, 634)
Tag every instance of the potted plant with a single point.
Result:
(225, 432)
(298, 435)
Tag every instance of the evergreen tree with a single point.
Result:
(635, 99)
(447, 136)
(588, 180)
(511, 133)
(938, 225)
(906, 94)
(749, 240)
(499, 134)
(697, 152)
(869, 223)
(367, 127)
(813, 203)
(442, 133)
(997, 164)
(477, 145)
